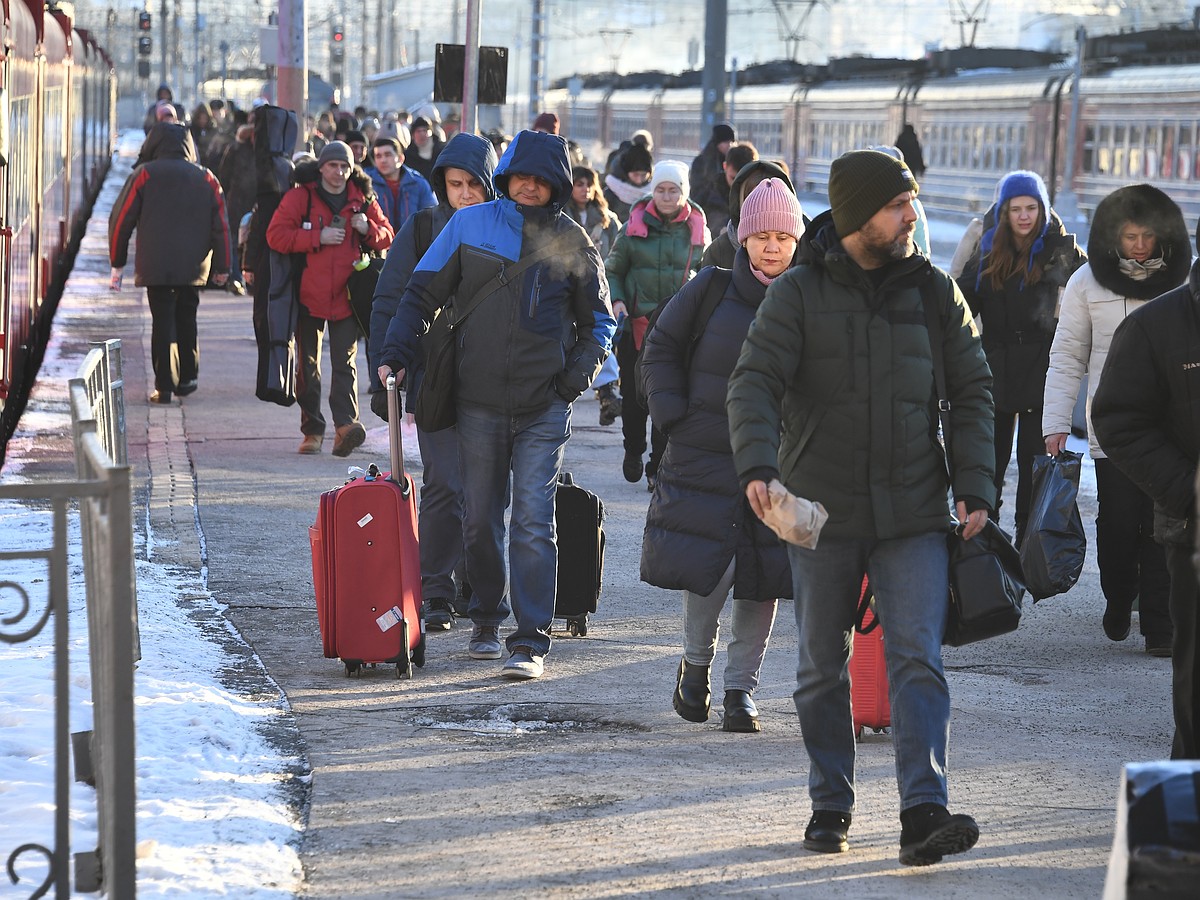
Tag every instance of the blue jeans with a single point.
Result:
(492, 447)
(908, 576)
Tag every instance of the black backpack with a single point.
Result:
(714, 291)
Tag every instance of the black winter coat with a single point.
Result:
(699, 518)
(1146, 412)
(1019, 319)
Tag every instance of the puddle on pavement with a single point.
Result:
(514, 720)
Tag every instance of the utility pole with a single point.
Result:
(163, 18)
(196, 79)
(537, 59)
(470, 101)
(712, 109)
(292, 58)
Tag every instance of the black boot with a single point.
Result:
(928, 832)
(740, 713)
(827, 832)
(693, 698)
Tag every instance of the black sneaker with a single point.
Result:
(928, 832)
(1117, 622)
(631, 468)
(610, 403)
(827, 831)
(439, 615)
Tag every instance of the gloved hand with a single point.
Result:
(379, 404)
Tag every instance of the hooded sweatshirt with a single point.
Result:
(468, 152)
(178, 210)
(540, 335)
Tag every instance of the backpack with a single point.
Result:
(714, 292)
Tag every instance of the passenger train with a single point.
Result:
(978, 114)
(57, 128)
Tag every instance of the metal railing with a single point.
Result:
(105, 756)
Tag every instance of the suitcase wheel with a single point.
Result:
(353, 668)
(418, 654)
(577, 625)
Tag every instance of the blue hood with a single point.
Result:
(470, 153)
(1021, 183)
(541, 154)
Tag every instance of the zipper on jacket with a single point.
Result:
(537, 293)
(850, 348)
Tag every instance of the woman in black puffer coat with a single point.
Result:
(701, 536)
(1013, 282)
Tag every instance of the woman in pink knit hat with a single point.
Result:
(701, 537)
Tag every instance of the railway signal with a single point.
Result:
(144, 22)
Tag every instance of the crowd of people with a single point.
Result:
(775, 358)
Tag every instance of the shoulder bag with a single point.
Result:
(435, 408)
(986, 582)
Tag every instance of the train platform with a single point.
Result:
(585, 783)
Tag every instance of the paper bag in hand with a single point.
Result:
(796, 520)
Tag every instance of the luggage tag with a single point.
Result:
(390, 619)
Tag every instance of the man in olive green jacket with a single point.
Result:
(834, 395)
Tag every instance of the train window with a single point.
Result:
(1089, 150)
(1184, 153)
(1167, 151)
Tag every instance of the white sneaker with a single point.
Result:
(523, 665)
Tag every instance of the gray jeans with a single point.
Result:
(441, 518)
(751, 629)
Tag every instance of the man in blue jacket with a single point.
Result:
(401, 191)
(528, 350)
(462, 177)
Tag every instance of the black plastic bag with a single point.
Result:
(1055, 544)
(986, 586)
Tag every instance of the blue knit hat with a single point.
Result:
(1021, 183)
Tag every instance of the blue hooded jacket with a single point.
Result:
(468, 152)
(542, 335)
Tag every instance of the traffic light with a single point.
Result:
(145, 45)
(144, 23)
(337, 50)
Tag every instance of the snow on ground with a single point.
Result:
(216, 816)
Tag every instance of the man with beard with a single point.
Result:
(840, 346)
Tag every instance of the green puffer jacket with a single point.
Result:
(830, 341)
(651, 259)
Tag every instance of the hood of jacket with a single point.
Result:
(1150, 207)
(470, 153)
(1053, 233)
(769, 170)
(308, 172)
(540, 154)
(169, 140)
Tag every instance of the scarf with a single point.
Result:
(765, 279)
(626, 192)
(1138, 271)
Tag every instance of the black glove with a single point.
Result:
(379, 404)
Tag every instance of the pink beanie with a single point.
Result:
(771, 207)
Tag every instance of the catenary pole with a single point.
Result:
(712, 108)
(470, 97)
(292, 68)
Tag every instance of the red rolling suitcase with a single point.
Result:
(869, 701)
(366, 565)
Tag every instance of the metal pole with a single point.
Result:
(163, 18)
(537, 58)
(470, 100)
(196, 79)
(712, 109)
(1067, 203)
(292, 68)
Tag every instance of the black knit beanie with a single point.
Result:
(637, 159)
(861, 183)
(723, 131)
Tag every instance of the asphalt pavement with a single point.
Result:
(585, 783)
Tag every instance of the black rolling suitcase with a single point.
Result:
(579, 521)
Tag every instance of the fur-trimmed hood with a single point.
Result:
(1150, 207)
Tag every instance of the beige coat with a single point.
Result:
(1090, 314)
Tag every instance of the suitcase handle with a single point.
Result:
(395, 444)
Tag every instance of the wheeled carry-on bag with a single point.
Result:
(366, 565)
(869, 701)
(579, 522)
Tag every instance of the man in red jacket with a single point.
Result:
(331, 221)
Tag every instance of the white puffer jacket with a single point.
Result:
(1099, 296)
(1090, 314)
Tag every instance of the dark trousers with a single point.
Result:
(174, 341)
(1185, 679)
(1132, 564)
(343, 387)
(633, 413)
(1028, 425)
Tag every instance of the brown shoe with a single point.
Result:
(311, 444)
(348, 437)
